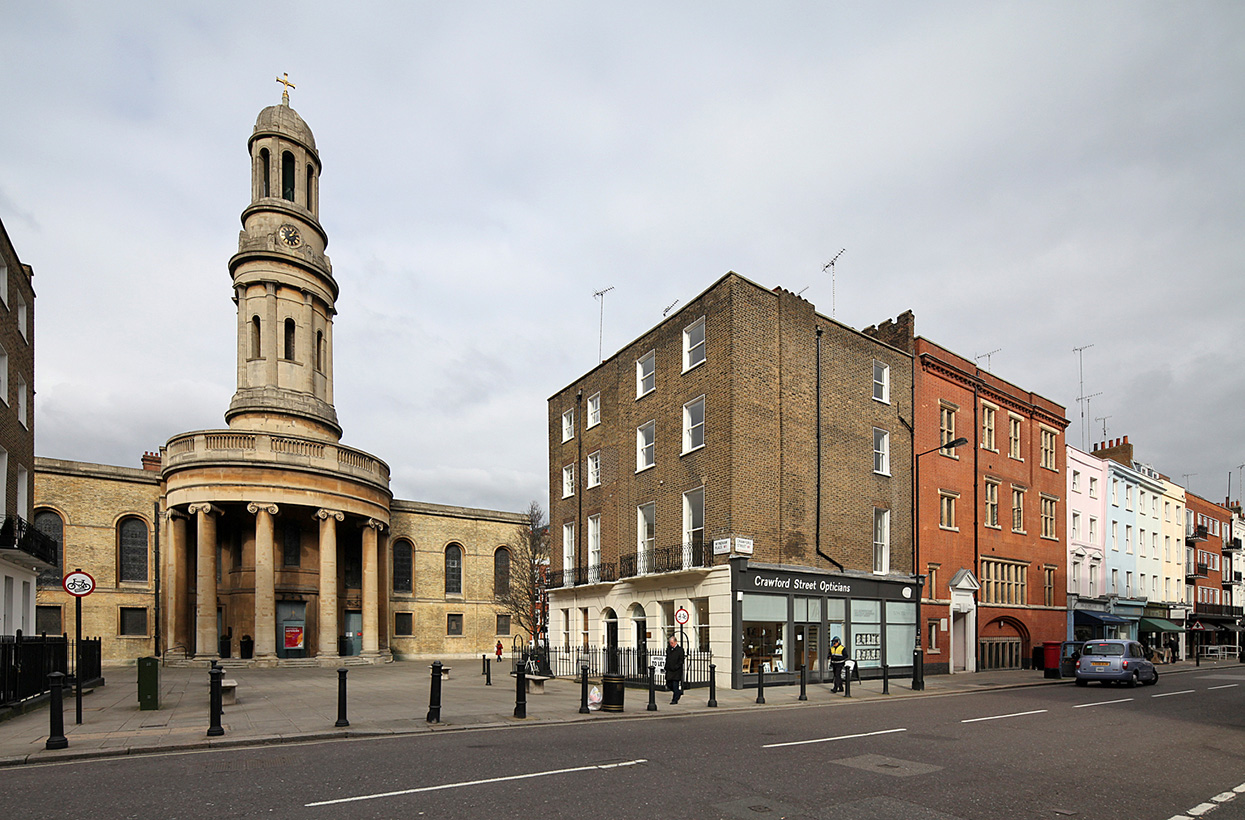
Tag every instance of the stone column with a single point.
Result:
(328, 582)
(308, 347)
(207, 637)
(273, 334)
(177, 582)
(244, 333)
(265, 578)
(371, 587)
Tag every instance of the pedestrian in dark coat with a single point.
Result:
(674, 669)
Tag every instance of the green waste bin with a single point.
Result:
(148, 684)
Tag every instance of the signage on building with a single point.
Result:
(721, 546)
(743, 545)
(681, 616)
(293, 637)
(79, 584)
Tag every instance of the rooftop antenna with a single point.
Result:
(1086, 399)
(1103, 419)
(1080, 359)
(669, 308)
(987, 356)
(801, 291)
(1188, 476)
(600, 294)
(830, 266)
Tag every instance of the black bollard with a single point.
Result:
(761, 684)
(886, 679)
(520, 691)
(341, 698)
(488, 671)
(56, 732)
(583, 690)
(713, 687)
(484, 664)
(847, 684)
(652, 689)
(434, 695)
(803, 683)
(214, 709)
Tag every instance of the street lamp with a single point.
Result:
(918, 655)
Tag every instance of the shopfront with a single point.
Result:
(784, 619)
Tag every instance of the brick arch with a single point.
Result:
(997, 628)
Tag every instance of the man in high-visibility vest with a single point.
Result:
(838, 656)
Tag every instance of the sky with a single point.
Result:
(1028, 178)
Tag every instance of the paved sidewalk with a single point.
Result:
(293, 705)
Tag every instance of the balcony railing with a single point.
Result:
(1231, 544)
(1192, 570)
(16, 533)
(1197, 533)
(602, 573)
(691, 555)
(1230, 578)
(1220, 610)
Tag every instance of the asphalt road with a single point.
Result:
(1046, 752)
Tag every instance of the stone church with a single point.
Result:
(270, 539)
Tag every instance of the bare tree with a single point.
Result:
(522, 596)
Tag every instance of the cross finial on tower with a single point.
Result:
(285, 92)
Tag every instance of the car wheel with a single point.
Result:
(1082, 682)
(1154, 678)
(1133, 681)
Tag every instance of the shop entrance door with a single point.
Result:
(807, 642)
(354, 631)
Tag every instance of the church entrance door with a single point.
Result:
(354, 631)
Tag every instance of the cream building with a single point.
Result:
(270, 538)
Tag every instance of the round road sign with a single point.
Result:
(79, 584)
(681, 616)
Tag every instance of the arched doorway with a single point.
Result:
(639, 634)
(1003, 644)
(609, 619)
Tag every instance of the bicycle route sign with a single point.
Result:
(79, 584)
(681, 616)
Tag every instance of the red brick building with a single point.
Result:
(1208, 547)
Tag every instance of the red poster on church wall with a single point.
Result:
(293, 637)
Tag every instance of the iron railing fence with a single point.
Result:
(630, 662)
(26, 662)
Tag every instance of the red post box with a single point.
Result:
(1050, 658)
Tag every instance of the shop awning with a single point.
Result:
(1159, 625)
(1231, 628)
(1085, 617)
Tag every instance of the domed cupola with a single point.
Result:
(283, 285)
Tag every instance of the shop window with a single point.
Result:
(764, 632)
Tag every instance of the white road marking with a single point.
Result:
(1225, 686)
(829, 739)
(1169, 694)
(1224, 798)
(477, 782)
(1201, 808)
(1101, 703)
(1239, 789)
(1000, 717)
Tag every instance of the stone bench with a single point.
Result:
(445, 671)
(228, 692)
(535, 683)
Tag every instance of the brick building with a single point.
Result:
(747, 461)
(270, 538)
(1209, 548)
(990, 515)
(24, 552)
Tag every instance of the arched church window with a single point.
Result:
(132, 549)
(287, 176)
(453, 570)
(265, 181)
(501, 572)
(289, 339)
(256, 350)
(50, 524)
(402, 567)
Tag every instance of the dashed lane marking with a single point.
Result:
(1000, 717)
(1225, 686)
(830, 739)
(1169, 694)
(487, 780)
(1102, 703)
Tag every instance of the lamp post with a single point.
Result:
(918, 654)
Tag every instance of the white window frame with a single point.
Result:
(946, 428)
(645, 543)
(946, 510)
(692, 350)
(594, 468)
(1049, 513)
(1076, 481)
(1093, 530)
(568, 548)
(646, 371)
(882, 385)
(1015, 437)
(1093, 486)
(1018, 510)
(1048, 443)
(22, 404)
(989, 416)
(594, 548)
(22, 320)
(692, 430)
(689, 528)
(568, 425)
(992, 504)
(4, 283)
(881, 451)
(1076, 526)
(881, 541)
(23, 493)
(594, 409)
(4, 374)
(568, 480)
(646, 446)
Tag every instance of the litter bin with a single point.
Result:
(148, 684)
(246, 647)
(226, 645)
(1050, 658)
(612, 690)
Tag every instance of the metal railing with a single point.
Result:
(19, 534)
(1198, 570)
(1197, 533)
(629, 661)
(689, 555)
(1221, 610)
(26, 662)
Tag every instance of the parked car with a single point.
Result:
(1115, 660)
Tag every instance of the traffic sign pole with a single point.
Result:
(79, 584)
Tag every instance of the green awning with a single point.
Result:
(1159, 625)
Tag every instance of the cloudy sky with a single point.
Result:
(1028, 178)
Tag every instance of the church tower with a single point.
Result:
(275, 530)
(284, 287)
